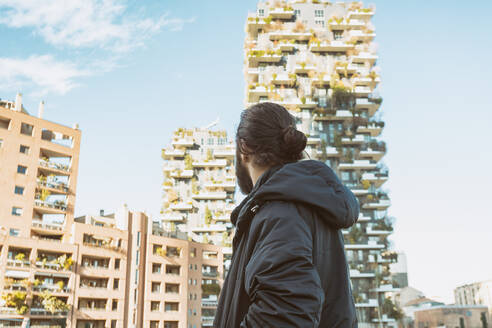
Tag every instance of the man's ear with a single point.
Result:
(245, 158)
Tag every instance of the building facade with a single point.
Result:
(479, 293)
(451, 316)
(199, 185)
(318, 60)
(113, 271)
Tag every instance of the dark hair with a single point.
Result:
(267, 131)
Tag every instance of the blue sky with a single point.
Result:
(130, 72)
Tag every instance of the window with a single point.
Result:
(26, 129)
(116, 283)
(297, 12)
(138, 238)
(156, 268)
(4, 123)
(193, 252)
(136, 276)
(337, 35)
(137, 257)
(114, 306)
(17, 211)
(113, 323)
(172, 288)
(156, 287)
(320, 23)
(319, 13)
(117, 264)
(191, 266)
(19, 190)
(21, 169)
(172, 269)
(154, 324)
(170, 324)
(24, 149)
(154, 305)
(171, 306)
(261, 12)
(14, 232)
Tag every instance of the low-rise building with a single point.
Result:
(451, 316)
(478, 293)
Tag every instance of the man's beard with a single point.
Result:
(243, 179)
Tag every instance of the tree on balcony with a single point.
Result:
(355, 235)
(64, 262)
(16, 300)
(188, 161)
(20, 257)
(160, 251)
(52, 303)
(210, 289)
(391, 309)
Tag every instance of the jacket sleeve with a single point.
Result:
(282, 283)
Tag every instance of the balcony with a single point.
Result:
(307, 102)
(174, 217)
(361, 103)
(255, 23)
(289, 35)
(365, 13)
(53, 187)
(45, 227)
(357, 139)
(230, 153)
(377, 178)
(331, 46)
(304, 68)
(374, 129)
(56, 207)
(375, 155)
(355, 23)
(212, 274)
(357, 274)
(264, 56)
(370, 303)
(181, 207)
(281, 13)
(8, 310)
(287, 47)
(210, 195)
(212, 163)
(386, 289)
(209, 228)
(228, 185)
(364, 57)
(209, 303)
(183, 142)
(182, 174)
(18, 263)
(359, 35)
(44, 312)
(361, 91)
(284, 79)
(358, 164)
(313, 140)
(371, 232)
(370, 245)
(51, 288)
(330, 152)
(385, 319)
(381, 204)
(171, 153)
(58, 168)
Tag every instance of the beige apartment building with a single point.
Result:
(477, 293)
(111, 270)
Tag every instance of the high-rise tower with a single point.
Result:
(199, 185)
(318, 59)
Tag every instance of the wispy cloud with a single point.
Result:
(106, 24)
(45, 72)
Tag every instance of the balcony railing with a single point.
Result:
(53, 185)
(210, 274)
(52, 288)
(56, 166)
(8, 310)
(45, 204)
(47, 226)
(41, 311)
(18, 263)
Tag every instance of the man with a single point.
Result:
(288, 266)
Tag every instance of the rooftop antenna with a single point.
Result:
(214, 123)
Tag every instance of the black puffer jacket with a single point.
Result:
(288, 267)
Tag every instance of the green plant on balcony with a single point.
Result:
(337, 141)
(20, 257)
(60, 284)
(303, 100)
(324, 155)
(160, 251)
(210, 155)
(44, 195)
(194, 186)
(355, 235)
(64, 262)
(52, 303)
(358, 298)
(384, 224)
(208, 216)
(274, 76)
(25, 283)
(390, 255)
(188, 162)
(16, 300)
(268, 20)
(366, 184)
(211, 289)
(391, 309)
(342, 96)
(36, 282)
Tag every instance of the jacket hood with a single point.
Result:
(309, 182)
